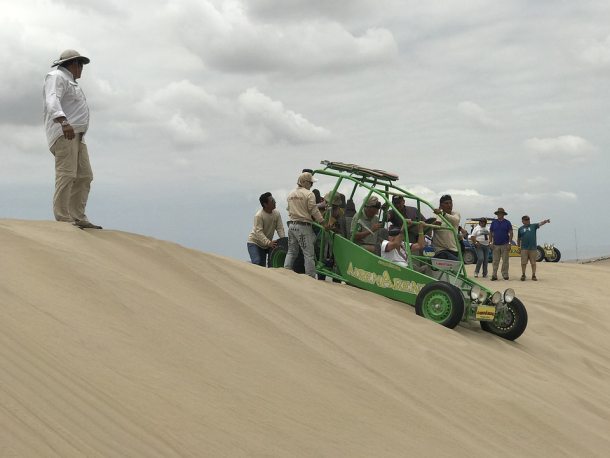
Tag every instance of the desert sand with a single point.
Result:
(116, 344)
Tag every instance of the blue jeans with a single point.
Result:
(258, 255)
(482, 258)
(301, 236)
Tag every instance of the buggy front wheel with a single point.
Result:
(440, 302)
(510, 324)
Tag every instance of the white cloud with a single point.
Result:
(477, 114)
(566, 148)
(187, 131)
(598, 53)
(187, 98)
(299, 9)
(228, 39)
(23, 138)
(268, 121)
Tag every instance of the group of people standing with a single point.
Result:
(498, 237)
(304, 209)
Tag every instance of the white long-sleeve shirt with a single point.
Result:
(62, 96)
(265, 225)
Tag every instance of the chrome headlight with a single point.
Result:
(475, 292)
(483, 296)
(509, 295)
(496, 298)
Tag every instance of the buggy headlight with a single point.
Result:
(509, 295)
(496, 298)
(475, 292)
(483, 296)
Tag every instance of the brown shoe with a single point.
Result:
(86, 225)
(534, 278)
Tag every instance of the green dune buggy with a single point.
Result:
(439, 289)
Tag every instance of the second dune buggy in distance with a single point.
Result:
(439, 289)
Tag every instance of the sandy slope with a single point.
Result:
(115, 344)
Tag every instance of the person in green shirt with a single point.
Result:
(526, 239)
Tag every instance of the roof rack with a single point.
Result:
(364, 171)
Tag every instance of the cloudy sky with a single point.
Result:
(198, 107)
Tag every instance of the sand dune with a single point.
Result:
(115, 344)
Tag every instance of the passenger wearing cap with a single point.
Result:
(500, 236)
(394, 249)
(407, 212)
(302, 211)
(336, 220)
(66, 118)
(367, 224)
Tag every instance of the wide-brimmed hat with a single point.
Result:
(500, 210)
(70, 54)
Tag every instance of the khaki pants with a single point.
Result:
(501, 251)
(73, 178)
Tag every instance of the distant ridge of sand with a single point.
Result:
(117, 344)
(598, 259)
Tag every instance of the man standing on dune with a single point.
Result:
(302, 211)
(66, 118)
(526, 239)
(500, 236)
(267, 221)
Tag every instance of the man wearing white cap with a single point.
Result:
(66, 117)
(302, 211)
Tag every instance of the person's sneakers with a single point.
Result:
(476, 275)
(523, 277)
(494, 278)
(534, 278)
(86, 225)
(505, 278)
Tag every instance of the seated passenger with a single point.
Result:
(336, 221)
(407, 212)
(394, 250)
(445, 246)
(367, 225)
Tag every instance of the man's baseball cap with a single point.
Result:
(305, 177)
(70, 54)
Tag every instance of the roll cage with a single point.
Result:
(382, 185)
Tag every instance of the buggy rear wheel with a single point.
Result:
(512, 324)
(278, 254)
(440, 302)
(539, 254)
